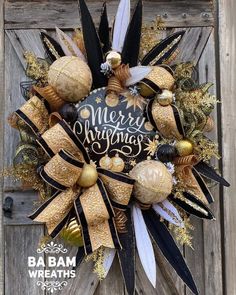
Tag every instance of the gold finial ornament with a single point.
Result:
(165, 98)
(72, 234)
(88, 176)
(118, 164)
(153, 182)
(106, 162)
(71, 78)
(158, 79)
(113, 58)
(184, 147)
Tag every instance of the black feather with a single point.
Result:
(203, 186)
(103, 30)
(46, 39)
(192, 209)
(167, 245)
(131, 46)
(209, 172)
(92, 46)
(152, 56)
(127, 255)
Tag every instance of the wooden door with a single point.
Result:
(20, 23)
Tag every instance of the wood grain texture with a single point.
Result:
(21, 241)
(1, 143)
(65, 14)
(227, 54)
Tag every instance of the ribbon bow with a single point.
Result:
(93, 205)
(190, 179)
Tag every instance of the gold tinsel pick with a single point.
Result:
(98, 258)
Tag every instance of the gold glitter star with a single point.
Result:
(98, 99)
(134, 100)
(133, 162)
(151, 147)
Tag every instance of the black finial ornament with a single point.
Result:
(166, 153)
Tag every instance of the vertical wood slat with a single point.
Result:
(1, 141)
(227, 61)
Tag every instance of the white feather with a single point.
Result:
(109, 255)
(64, 40)
(121, 25)
(137, 74)
(169, 213)
(144, 245)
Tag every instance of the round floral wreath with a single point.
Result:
(112, 204)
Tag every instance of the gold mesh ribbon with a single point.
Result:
(183, 170)
(116, 82)
(164, 119)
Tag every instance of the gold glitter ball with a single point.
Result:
(114, 59)
(184, 147)
(153, 182)
(106, 162)
(71, 78)
(118, 164)
(88, 176)
(165, 98)
(85, 113)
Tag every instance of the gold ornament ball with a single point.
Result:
(165, 98)
(106, 162)
(114, 59)
(71, 78)
(112, 99)
(85, 113)
(145, 90)
(88, 176)
(72, 234)
(184, 147)
(118, 164)
(153, 182)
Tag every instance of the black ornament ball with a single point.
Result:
(68, 112)
(166, 153)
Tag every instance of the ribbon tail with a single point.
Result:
(55, 211)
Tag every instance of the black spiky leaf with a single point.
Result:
(103, 30)
(52, 47)
(163, 50)
(92, 46)
(127, 255)
(209, 172)
(193, 206)
(131, 46)
(169, 249)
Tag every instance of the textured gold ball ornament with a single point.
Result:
(114, 59)
(153, 182)
(106, 162)
(184, 147)
(71, 78)
(72, 234)
(118, 164)
(88, 176)
(158, 78)
(165, 98)
(85, 113)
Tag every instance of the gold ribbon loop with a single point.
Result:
(165, 121)
(183, 170)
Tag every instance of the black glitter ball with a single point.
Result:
(68, 112)
(166, 153)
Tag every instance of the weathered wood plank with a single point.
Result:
(64, 14)
(21, 241)
(1, 144)
(24, 203)
(227, 51)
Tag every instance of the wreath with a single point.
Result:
(114, 141)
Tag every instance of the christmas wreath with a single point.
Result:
(114, 141)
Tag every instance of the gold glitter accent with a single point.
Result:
(164, 118)
(57, 139)
(134, 100)
(151, 146)
(62, 171)
(98, 258)
(67, 44)
(118, 191)
(35, 110)
(58, 209)
(98, 100)
(51, 48)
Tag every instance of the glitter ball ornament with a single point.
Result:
(105, 162)
(69, 112)
(166, 153)
(88, 176)
(184, 147)
(153, 182)
(165, 98)
(118, 164)
(114, 59)
(71, 78)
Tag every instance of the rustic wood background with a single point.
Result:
(210, 42)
